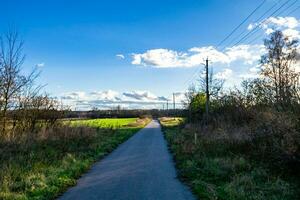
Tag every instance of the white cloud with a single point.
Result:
(225, 74)
(199, 54)
(250, 27)
(40, 65)
(248, 76)
(110, 99)
(165, 58)
(269, 31)
(160, 58)
(255, 69)
(248, 54)
(288, 25)
(120, 56)
(284, 22)
(108, 95)
(291, 33)
(141, 96)
(253, 72)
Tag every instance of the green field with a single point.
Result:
(105, 123)
(43, 166)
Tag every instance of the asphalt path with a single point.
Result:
(139, 169)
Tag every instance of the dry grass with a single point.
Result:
(254, 160)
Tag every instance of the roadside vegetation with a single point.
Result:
(217, 167)
(248, 147)
(43, 166)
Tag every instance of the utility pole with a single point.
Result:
(167, 108)
(174, 111)
(167, 104)
(174, 101)
(207, 89)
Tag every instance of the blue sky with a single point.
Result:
(76, 42)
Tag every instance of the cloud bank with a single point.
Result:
(111, 99)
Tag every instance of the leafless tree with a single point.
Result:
(215, 84)
(12, 81)
(11, 59)
(278, 68)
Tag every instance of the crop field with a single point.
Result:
(105, 123)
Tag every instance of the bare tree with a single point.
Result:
(278, 68)
(215, 84)
(255, 92)
(11, 80)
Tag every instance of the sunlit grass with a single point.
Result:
(171, 121)
(45, 167)
(105, 123)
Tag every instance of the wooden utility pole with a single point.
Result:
(207, 89)
(167, 108)
(174, 101)
(167, 104)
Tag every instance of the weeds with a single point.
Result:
(225, 163)
(43, 166)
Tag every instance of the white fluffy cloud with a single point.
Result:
(165, 58)
(284, 22)
(248, 54)
(288, 25)
(225, 74)
(160, 58)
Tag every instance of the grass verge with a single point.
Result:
(221, 169)
(46, 164)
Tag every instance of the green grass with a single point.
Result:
(105, 123)
(219, 170)
(171, 121)
(44, 168)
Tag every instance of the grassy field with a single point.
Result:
(47, 164)
(218, 169)
(105, 123)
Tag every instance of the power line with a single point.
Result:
(282, 11)
(293, 10)
(257, 26)
(255, 30)
(257, 20)
(230, 34)
(260, 35)
(233, 31)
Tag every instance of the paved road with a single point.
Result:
(139, 169)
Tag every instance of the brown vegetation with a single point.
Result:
(252, 133)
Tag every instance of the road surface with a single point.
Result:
(139, 169)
